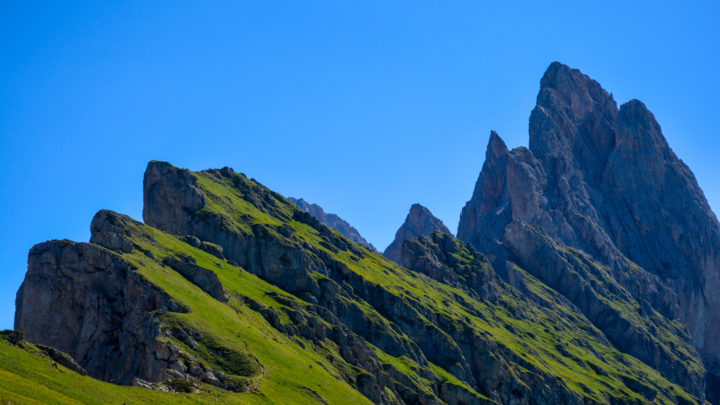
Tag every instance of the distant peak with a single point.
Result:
(419, 222)
(559, 75)
(496, 146)
(423, 214)
(333, 221)
(419, 209)
(573, 88)
(636, 107)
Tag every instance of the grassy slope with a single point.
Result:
(28, 377)
(588, 366)
(287, 375)
(585, 364)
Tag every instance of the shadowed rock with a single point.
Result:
(419, 222)
(605, 181)
(333, 221)
(88, 302)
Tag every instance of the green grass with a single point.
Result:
(237, 329)
(28, 377)
(565, 352)
(539, 337)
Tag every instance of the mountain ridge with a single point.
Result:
(333, 221)
(565, 283)
(585, 155)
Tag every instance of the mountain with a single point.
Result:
(602, 183)
(419, 222)
(582, 273)
(333, 221)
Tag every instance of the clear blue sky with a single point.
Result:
(363, 107)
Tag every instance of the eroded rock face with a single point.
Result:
(333, 221)
(419, 222)
(275, 254)
(442, 257)
(604, 180)
(88, 302)
(206, 279)
(165, 207)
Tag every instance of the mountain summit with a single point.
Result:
(604, 180)
(584, 271)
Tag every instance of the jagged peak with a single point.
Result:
(333, 221)
(555, 72)
(496, 146)
(637, 111)
(421, 215)
(638, 131)
(419, 222)
(572, 125)
(563, 86)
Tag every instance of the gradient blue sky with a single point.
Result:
(362, 107)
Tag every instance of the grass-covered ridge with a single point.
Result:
(304, 315)
(556, 340)
(231, 335)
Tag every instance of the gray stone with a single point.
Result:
(604, 180)
(419, 222)
(88, 302)
(333, 221)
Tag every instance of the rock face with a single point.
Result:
(333, 221)
(457, 316)
(419, 222)
(86, 301)
(442, 257)
(206, 279)
(604, 181)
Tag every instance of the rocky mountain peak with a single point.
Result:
(638, 131)
(419, 222)
(333, 221)
(496, 148)
(604, 181)
(572, 124)
(162, 205)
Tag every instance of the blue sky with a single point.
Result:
(362, 107)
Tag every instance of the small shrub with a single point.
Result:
(181, 385)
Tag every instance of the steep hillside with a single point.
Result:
(230, 292)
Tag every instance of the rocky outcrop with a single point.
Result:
(206, 279)
(164, 206)
(419, 222)
(18, 339)
(333, 221)
(335, 277)
(603, 180)
(86, 301)
(442, 257)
